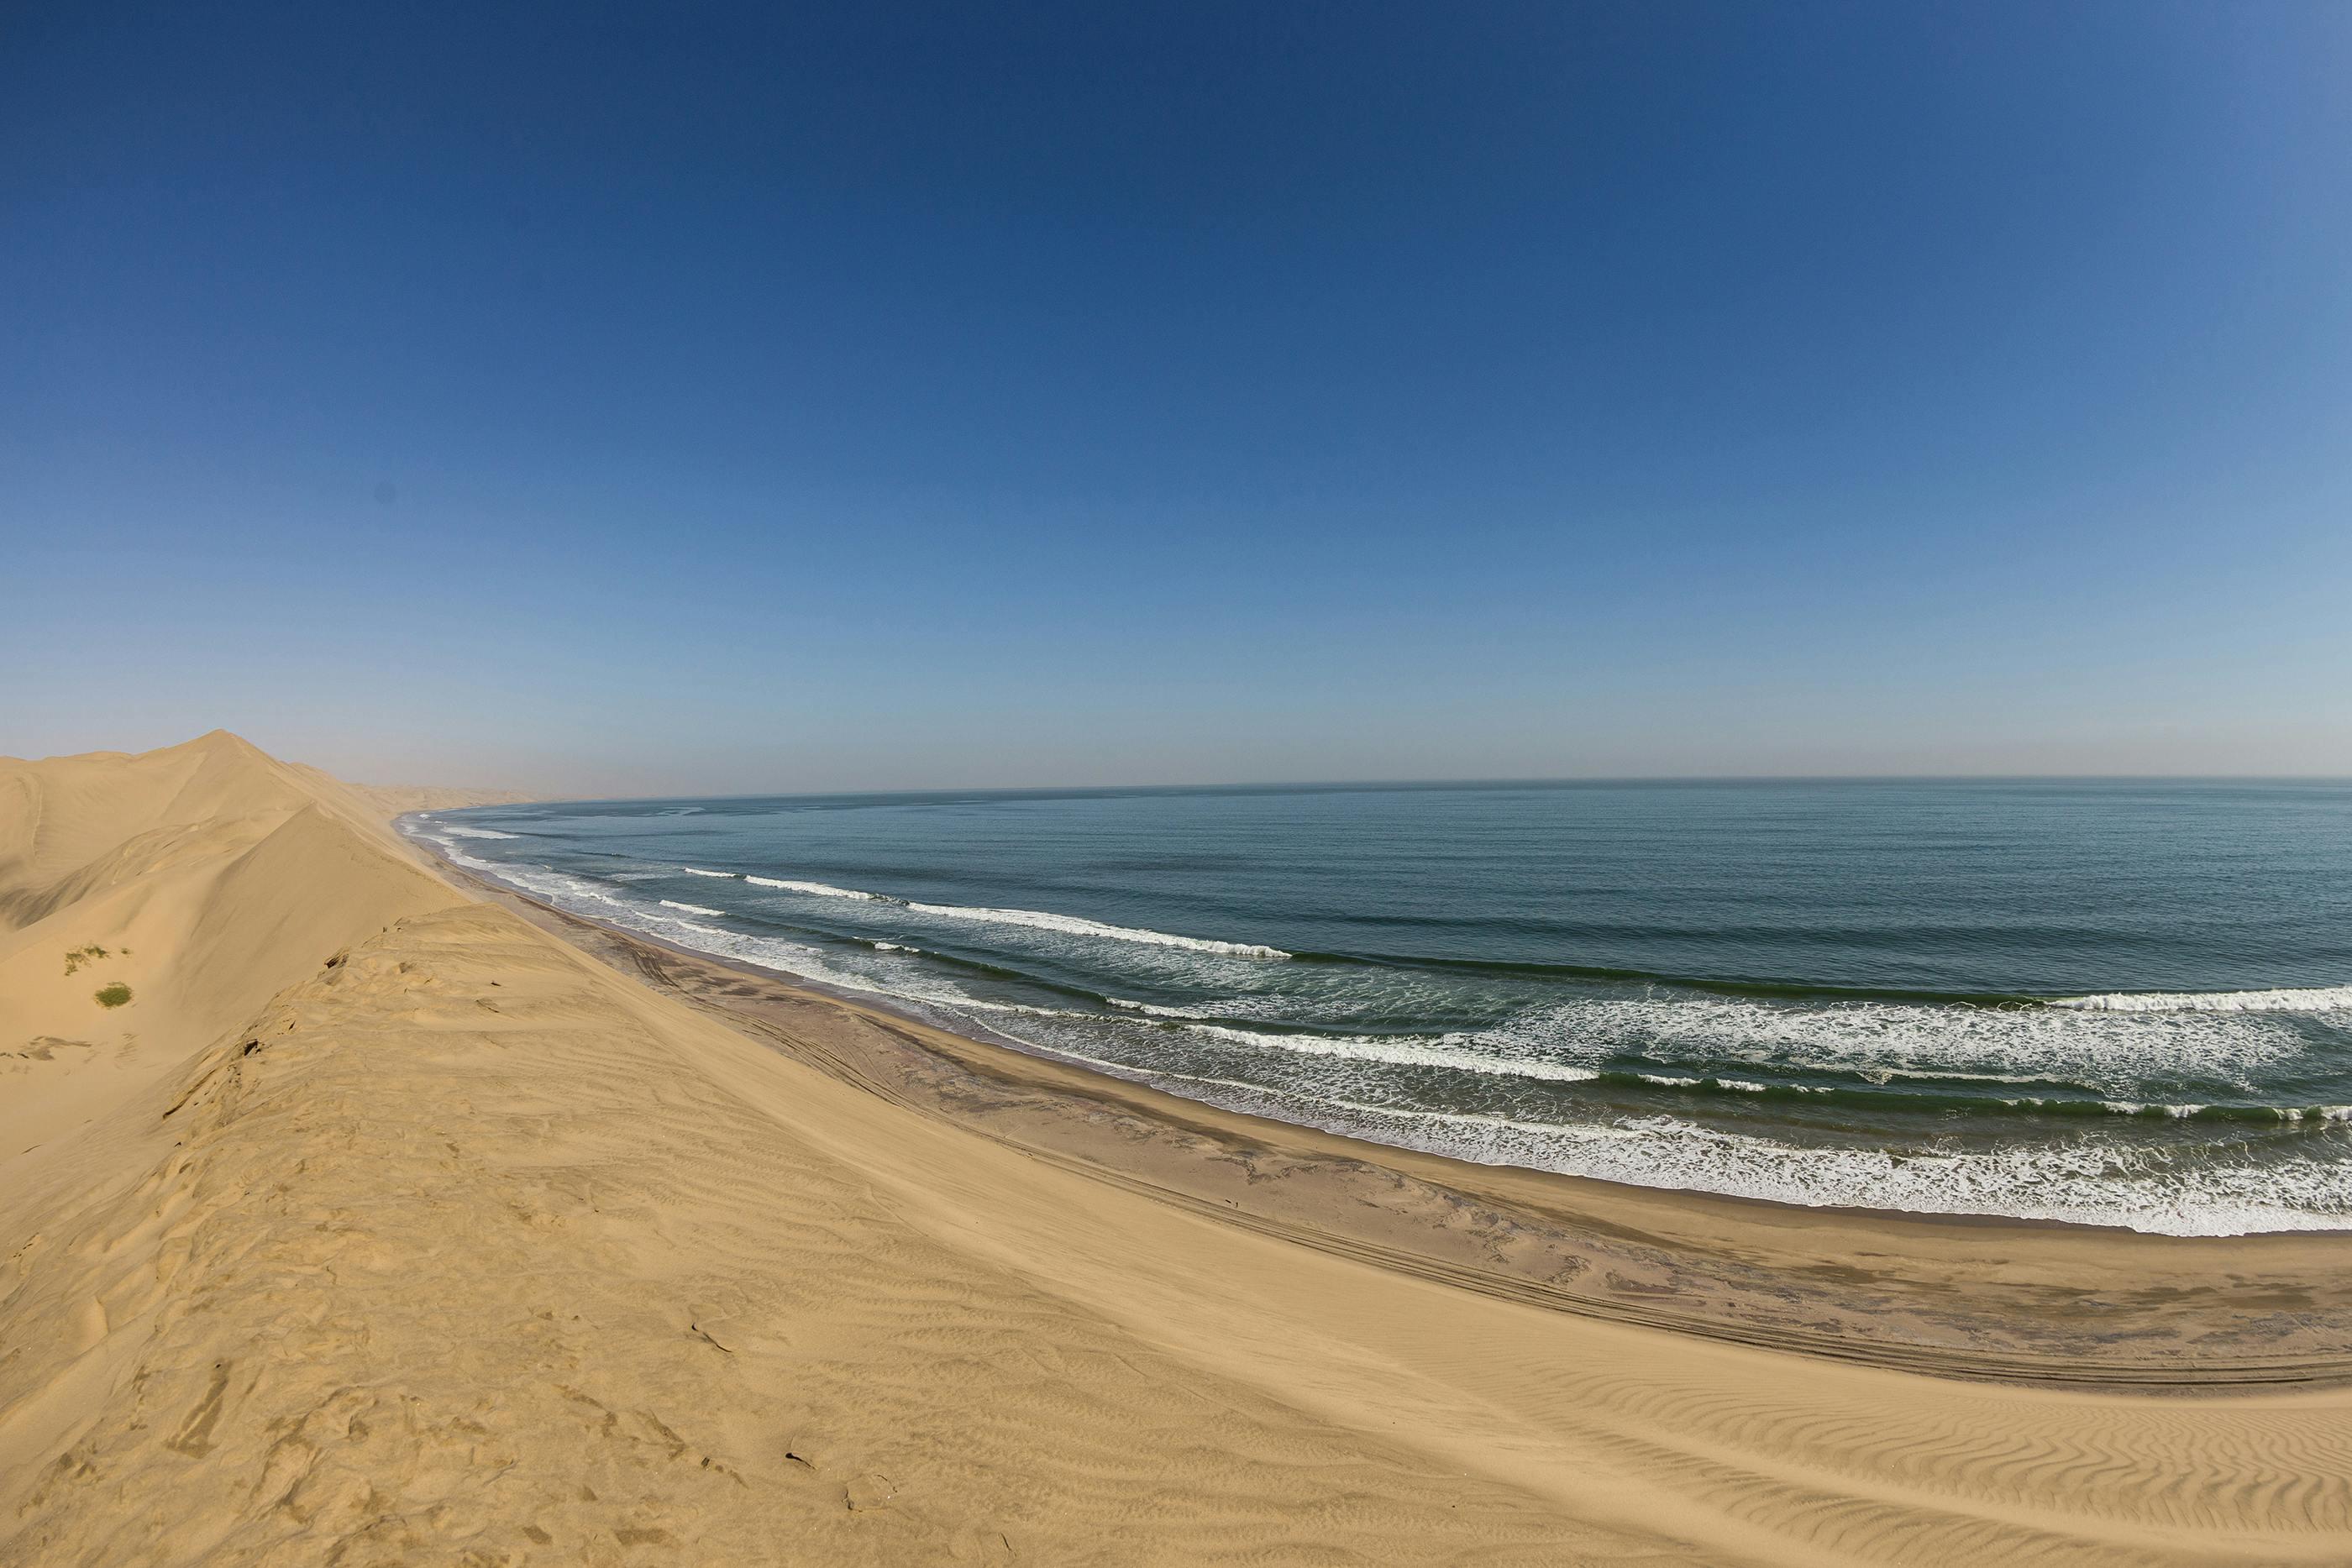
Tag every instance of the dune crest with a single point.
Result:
(382, 1226)
(204, 877)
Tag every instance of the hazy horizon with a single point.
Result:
(1336, 786)
(737, 402)
(1245, 786)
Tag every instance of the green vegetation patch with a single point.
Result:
(113, 996)
(90, 954)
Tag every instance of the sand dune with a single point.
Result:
(381, 1226)
(389, 801)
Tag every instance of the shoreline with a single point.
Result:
(1983, 1298)
(2207, 1117)
(400, 1218)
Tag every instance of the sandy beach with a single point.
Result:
(390, 1218)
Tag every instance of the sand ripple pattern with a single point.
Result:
(448, 1269)
(446, 1266)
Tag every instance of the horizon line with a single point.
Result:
(1554, 781)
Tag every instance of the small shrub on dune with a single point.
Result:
(113, 996)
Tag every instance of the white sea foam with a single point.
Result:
(474, 832)
(1039, 919)
(577, 895)
(557, 887)
(1153, 1010)
(2088, 1181)
(1075, 926)
(819, 888)
(1043, 920)
(2114, 1051)
(2301, 999)
(2181, 1112)
(1398, 1052)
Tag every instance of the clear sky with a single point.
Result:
(781, 397)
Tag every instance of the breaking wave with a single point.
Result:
(1037, 919)
(2298, 1000)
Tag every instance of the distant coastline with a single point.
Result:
(394, 801)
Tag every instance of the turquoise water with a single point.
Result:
(2123, 1003)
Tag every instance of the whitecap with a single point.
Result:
(2112, 1051)
(1075, 926)
(2299, 999)
(1037, 919)
(2087, 1181)
(1397, 1051)
(817, 889)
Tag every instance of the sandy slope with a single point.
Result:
(383, 1227)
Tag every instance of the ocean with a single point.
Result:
(2110, 1002)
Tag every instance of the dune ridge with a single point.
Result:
(381, 1226)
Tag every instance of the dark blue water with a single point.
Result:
(2115, 1002)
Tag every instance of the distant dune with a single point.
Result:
(389, 801)
(366, 1222)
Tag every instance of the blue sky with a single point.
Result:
(746, 398)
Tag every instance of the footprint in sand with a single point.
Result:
(869, 1492)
